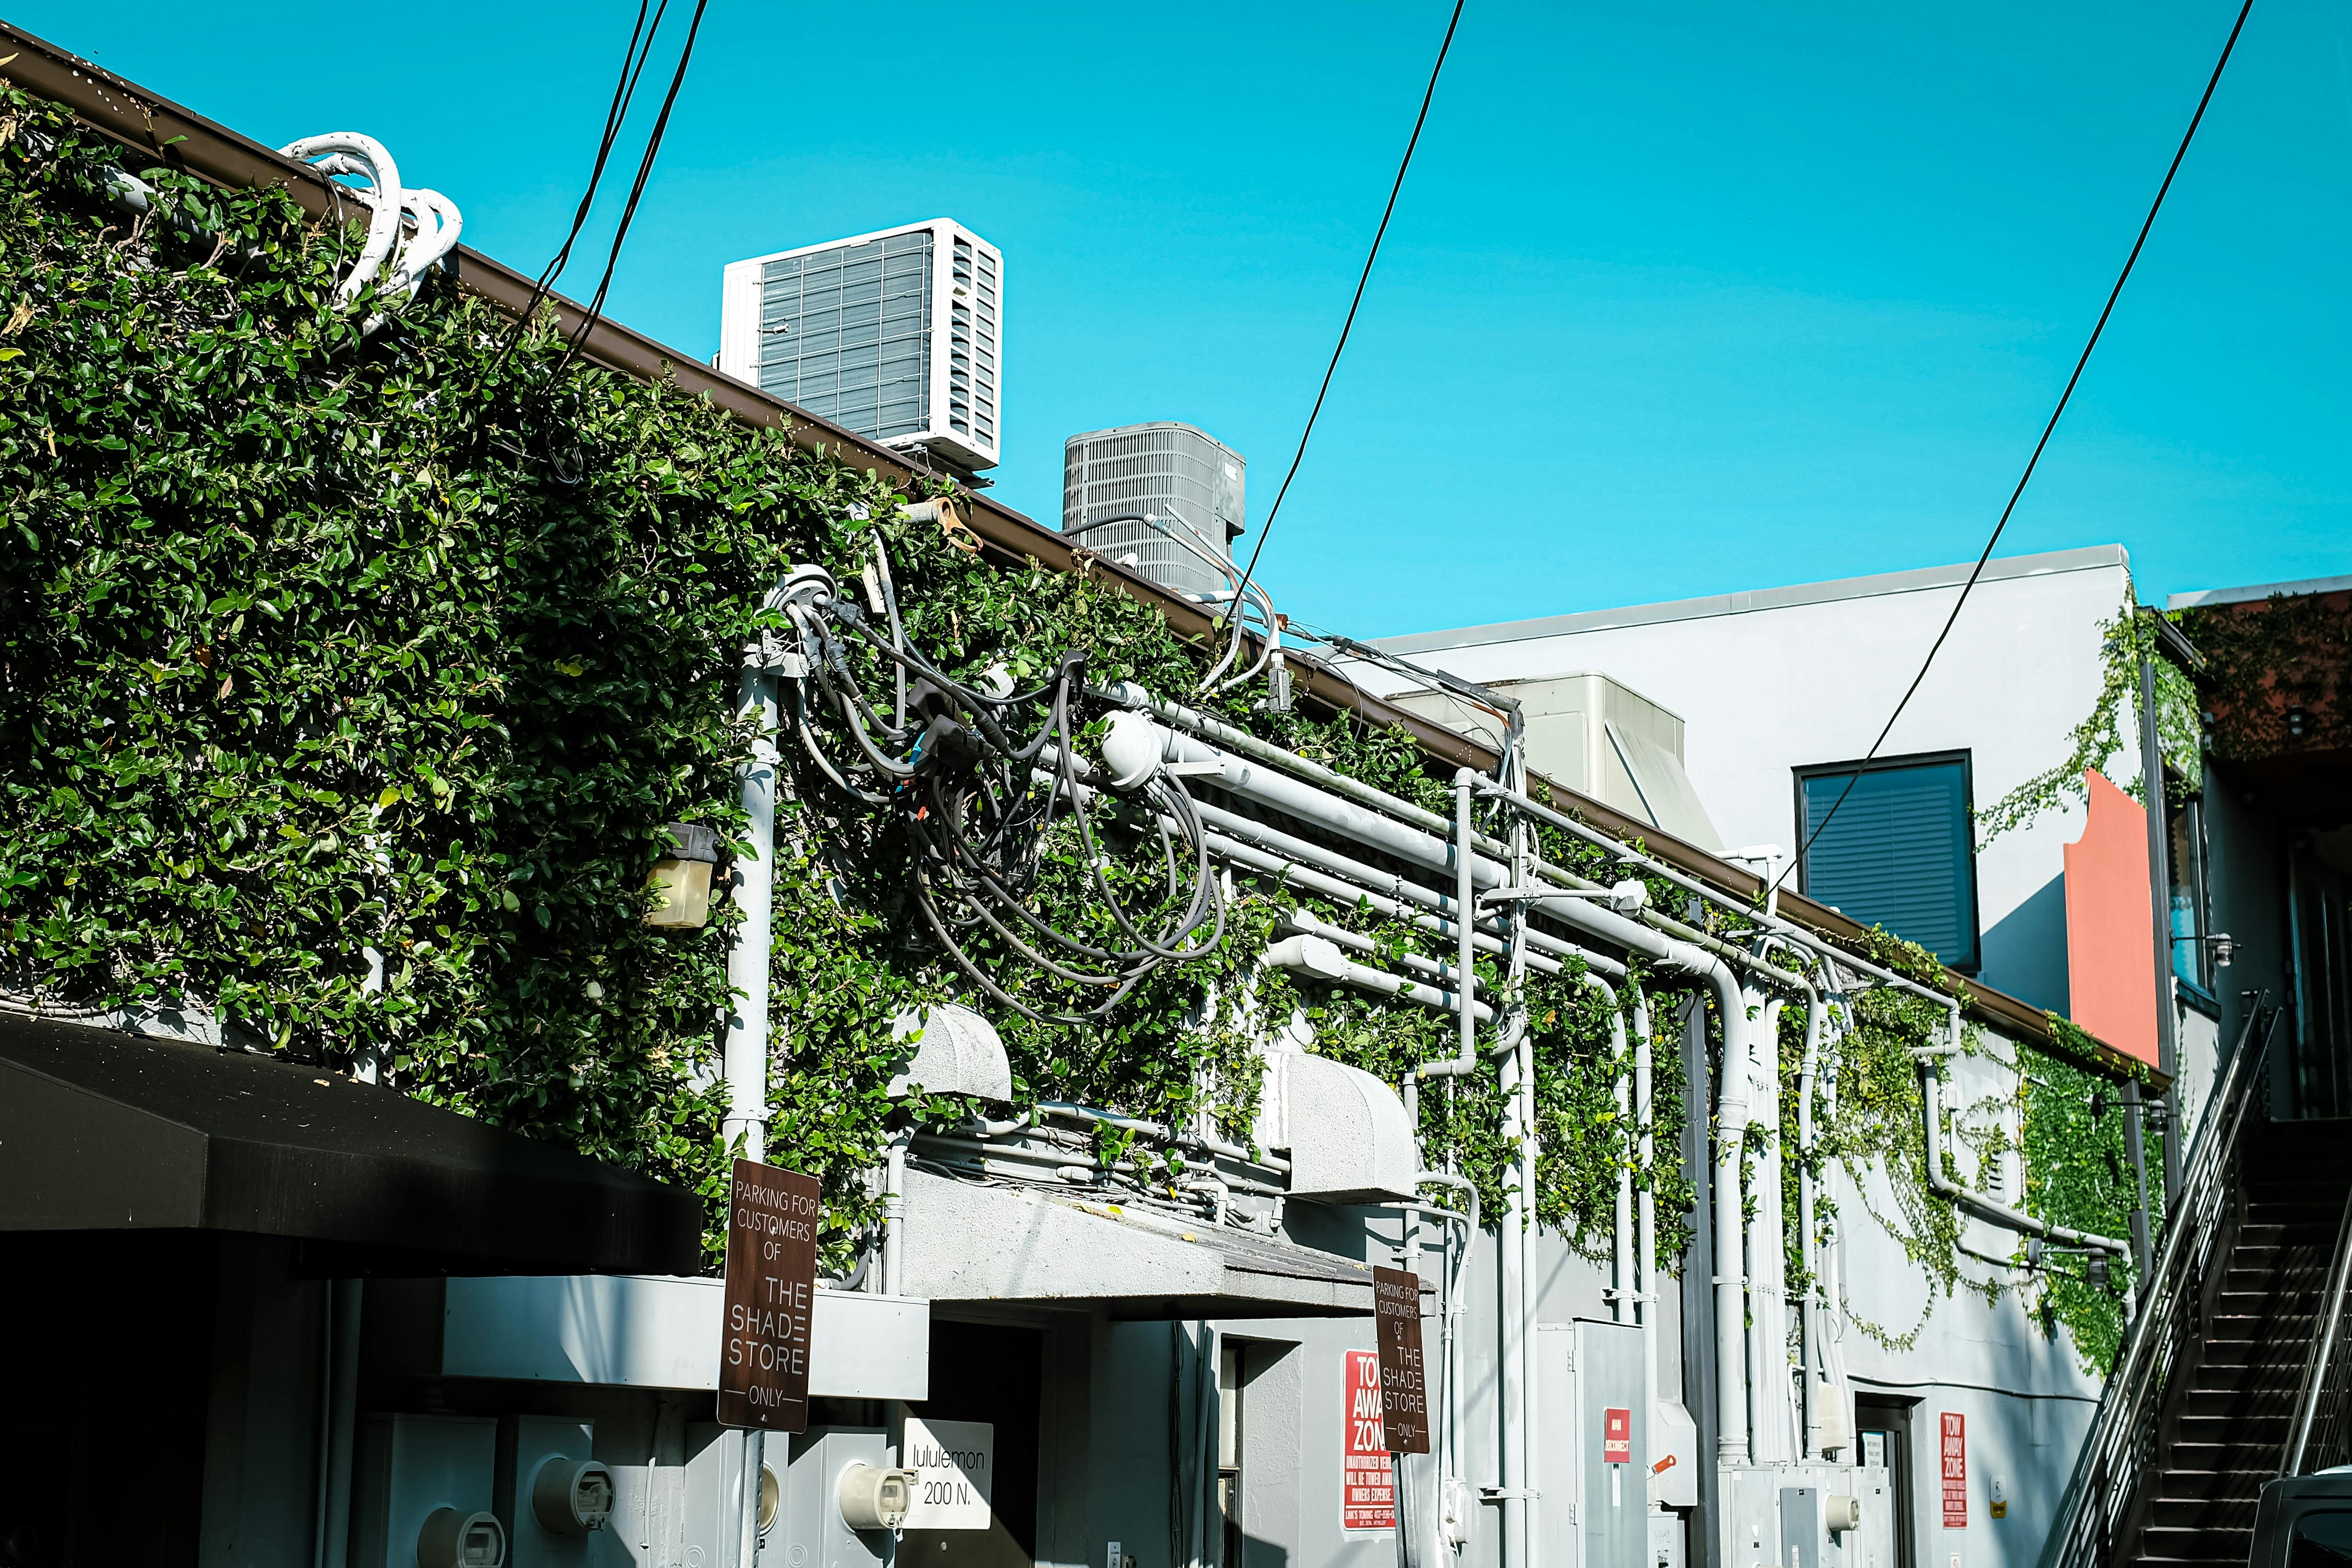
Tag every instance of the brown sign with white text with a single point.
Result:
(1404, 1390)
(764, 1345)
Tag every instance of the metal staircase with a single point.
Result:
(2196, 1415)
(2223, 1428)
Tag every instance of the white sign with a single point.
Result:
(955, 1466)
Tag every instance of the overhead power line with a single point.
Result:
(2047, 431)
(624, 91)
(1265, 529)
(637, 190)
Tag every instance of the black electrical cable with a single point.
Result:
(624, 91)
(967, 793)
(2047, 431)
(1266, 527)
(637, 190)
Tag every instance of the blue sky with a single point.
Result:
(1679, 299)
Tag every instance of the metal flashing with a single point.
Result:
(1748, 601)
(2256, 592)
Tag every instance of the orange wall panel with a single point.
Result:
(2110, 936)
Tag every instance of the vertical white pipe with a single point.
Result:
(746, 1054)
(1522, 1042)
(1510, 1325)
(1770, 1390)
(1623, 1306)
(1816, 1366)
(1730, 1281)
(1530, 1304)
(894, 1214)
(1646, 1242)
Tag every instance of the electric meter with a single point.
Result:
(454, 1540)
(572, 1497)
(873, 1498)
(771, 1498)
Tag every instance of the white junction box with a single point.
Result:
(422, 1494)
(897, 335)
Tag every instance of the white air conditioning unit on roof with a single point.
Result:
(895, 335)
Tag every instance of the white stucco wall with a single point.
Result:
(1770, 681)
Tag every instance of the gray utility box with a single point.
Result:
(422, 1493)
(552, 1496)
(720, 1476)
(1593, 1445)
(811, 1530)
(1813, 1515)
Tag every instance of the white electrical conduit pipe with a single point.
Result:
(744, 1061)
(1142, 745)
(1445, 976)
(1243, 743)
(1257, 847)
(1809, 1316)
(1645, 1224)
(437, 220)
(1449, 1444)
(1321, 959)
(1771, 1391)
(1621, 1286)
(1931, 1106)
(1311, 804)
(1135, 746)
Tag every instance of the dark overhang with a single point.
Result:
(101, 1131)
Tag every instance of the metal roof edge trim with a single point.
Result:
(179, 137)
(1758, 600)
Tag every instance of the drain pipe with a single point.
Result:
(1731, 1259)
(1809, 1316)
(745, 1057)
(1645, 1225)
(1772, 1416)
(1624, 1292)
(1521, 1041)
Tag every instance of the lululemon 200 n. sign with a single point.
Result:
(764, 1343)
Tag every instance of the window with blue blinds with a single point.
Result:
(1899, 854)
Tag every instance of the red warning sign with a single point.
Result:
(1617, 1435)
(1367, 1484)
(1956, 1470)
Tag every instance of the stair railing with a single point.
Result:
(2115, 1454)
(2319, 1436)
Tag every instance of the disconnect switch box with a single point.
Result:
(422, 1493)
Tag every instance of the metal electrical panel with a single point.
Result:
(717, 1476)
(1669, 1533)
(1802, 1535)
(1615, 1446)
(811, 1531)
(1592, 1447)
(1558, 1425)
(422, 1493)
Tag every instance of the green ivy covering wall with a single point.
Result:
(317, 644)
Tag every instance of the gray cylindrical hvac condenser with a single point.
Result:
(1175, 471)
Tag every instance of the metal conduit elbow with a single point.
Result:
(1940, 1182)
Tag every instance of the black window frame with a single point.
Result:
(1974, 963)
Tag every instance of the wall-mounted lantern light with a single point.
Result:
(682, 877)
